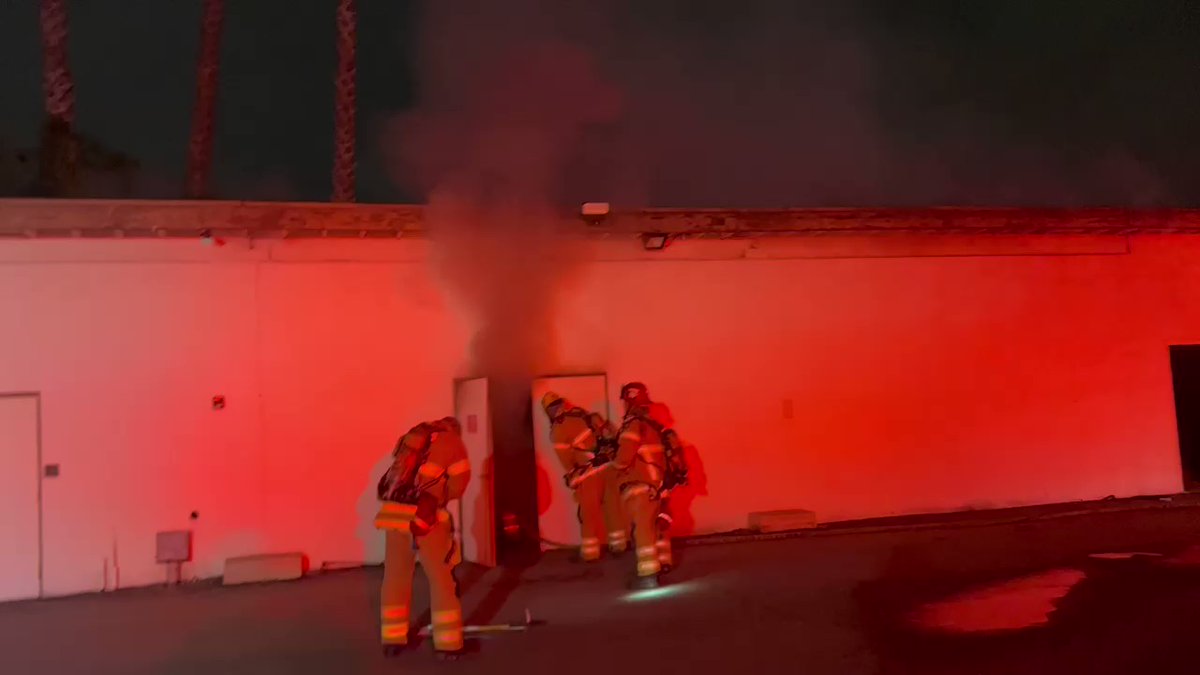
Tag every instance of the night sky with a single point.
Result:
(837, 102)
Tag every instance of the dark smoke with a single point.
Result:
(504, 103)
(527, 108)
(776, 104)
(491, 144)
(767, 104)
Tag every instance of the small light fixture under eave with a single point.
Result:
(655, 241)
(595, 209)
(594, 213)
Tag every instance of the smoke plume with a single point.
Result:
(529, 107)
(504, 103)
(762, 104)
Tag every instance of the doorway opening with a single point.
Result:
(20, 496)
(517, 505)
(1185, 375)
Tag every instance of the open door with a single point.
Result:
(1185, 374)
(558, 519)
(476, 518)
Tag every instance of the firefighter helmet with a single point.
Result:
(635, 393)
(550, 400)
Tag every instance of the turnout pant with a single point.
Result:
(601, 509)
(615, 518)
(663, 540)
(435, 551)
(590, 495)
(643, 505)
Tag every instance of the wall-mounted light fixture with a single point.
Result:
(594, 213)
(655, 241)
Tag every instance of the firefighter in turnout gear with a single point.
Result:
(659, 416)
(641, 466)
(614, 508)
(577, 443)
(429, 469)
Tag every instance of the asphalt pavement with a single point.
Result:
(846, 602)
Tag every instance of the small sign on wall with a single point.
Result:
(173, 547)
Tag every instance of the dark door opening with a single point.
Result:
(1185, 373)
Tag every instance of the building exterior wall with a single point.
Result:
(852, 376)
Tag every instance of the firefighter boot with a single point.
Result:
(645, 536)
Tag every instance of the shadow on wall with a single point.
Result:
(683, 497)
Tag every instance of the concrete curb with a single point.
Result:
(950, 523)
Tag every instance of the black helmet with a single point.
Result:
(635, 393)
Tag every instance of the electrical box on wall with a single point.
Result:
(173, 547)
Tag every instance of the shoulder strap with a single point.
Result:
(580, 413)
(648, 420)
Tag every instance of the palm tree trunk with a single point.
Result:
(200, 146)
(58, 171)
(345, 103)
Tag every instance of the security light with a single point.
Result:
(654, 241)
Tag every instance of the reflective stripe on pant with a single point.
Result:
(616, 520)
(396, 595)
(448, 630)
(664, 538)
(644, 512)
(590, 494)
(618, 541)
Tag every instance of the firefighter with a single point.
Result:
(614, 510)
(429, 469)
(576, 442)
(676, 475)
(641, 465)
(658, 417)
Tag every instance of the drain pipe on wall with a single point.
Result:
(116, 565)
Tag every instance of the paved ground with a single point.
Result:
(824, 604)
